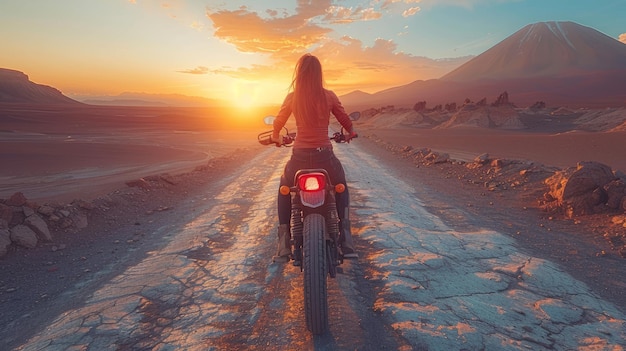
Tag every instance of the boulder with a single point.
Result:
(17, 199)
(23, 236)
(46, 210)
(580, 190)
(482, 159)
(436, 157)
(6, 213)
(17, 217)
(39, 226)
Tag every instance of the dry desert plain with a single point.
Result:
(61, 153)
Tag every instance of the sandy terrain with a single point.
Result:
(561, 150)
(60, 154)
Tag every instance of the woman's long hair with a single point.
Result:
(309, 98)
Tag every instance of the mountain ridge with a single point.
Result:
(16, 87)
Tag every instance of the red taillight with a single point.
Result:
(312, 182)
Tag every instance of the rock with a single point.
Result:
(23, 236)
(65, 223)
(6, 213)
(420, 106)
(139, 183)
(5, 241)
(421, 152)
(482, 159)
(502, 100)
(619, 219)
(83, 204)
(46, 210)
(435, 157)
(27, 211)
(39, 226)
(539, 105)
(17, 217)
(623, 205)
(579, 191)
(615, 191)
(497, 163)
(17, 199)
(79, 220)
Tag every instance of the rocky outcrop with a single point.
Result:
(588, 188)
(419, 106)
(502, 100)
(471, 115)
(15, 87)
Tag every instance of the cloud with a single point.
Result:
(411, 11)
(348, 63)
(197, 70)
(281, 35)
(622, 38)
(388, 3)
(340, 14)
(249, 32)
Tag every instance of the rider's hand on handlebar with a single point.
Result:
(277, 139)
(351, 135)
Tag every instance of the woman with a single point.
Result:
(311, 104)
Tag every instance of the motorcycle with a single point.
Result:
(315, 234)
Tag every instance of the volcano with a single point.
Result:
(546, 49)
(560, 63)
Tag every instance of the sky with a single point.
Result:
(245, 51)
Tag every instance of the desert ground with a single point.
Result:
(52, 153)
(98, 154)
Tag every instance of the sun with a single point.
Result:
(245, 94)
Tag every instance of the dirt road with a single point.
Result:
(199, 276)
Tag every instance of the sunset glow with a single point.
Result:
(243, 52)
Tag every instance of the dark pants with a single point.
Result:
(306, 159)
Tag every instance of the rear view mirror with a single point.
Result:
(269, 120)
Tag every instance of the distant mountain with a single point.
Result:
(15, 87)
(145, 99)
(560, 63)
(546, 49)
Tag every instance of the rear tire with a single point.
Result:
(315, 271)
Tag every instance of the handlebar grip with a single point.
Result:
(265, 141)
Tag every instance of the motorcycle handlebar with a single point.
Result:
(265, 138)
